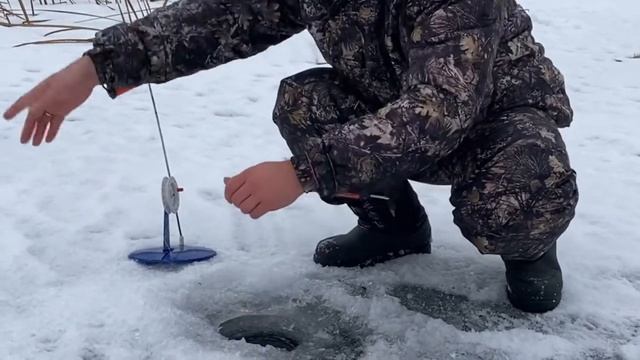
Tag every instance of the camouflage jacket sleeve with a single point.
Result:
(451, 54)
(189, 36)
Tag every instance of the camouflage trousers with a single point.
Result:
(512, 187)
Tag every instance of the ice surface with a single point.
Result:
(70, 213)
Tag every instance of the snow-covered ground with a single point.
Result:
(70, 212)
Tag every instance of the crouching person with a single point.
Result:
(439, 92)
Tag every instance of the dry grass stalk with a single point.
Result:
(135, 13)
(8, 13)
(33, 24)
(24, 10)
(5, 12)
(144, 9)
(144, 6)
(56, 41)
(94, 18)
(121, 13)
(91, 17)
(129, 10)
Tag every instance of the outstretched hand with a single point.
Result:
(262, 188)
(53, 99)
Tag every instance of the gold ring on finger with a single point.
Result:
(48, 115)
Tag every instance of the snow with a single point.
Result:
(70, 213)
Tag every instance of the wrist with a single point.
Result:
(304, 174)
(89, 71)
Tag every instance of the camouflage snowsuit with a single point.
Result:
(444, 92)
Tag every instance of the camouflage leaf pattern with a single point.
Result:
(427, 70)
(443, 91)
(512, 187)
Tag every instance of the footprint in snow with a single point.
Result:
(210, 195)
(475, 316)
(89, 353)
(229, 113)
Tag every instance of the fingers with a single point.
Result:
(54, 127)
(259, 211)
(233, 184)
(41, 128)
(16, 108)
(241, 195)
(37, 125)
(30, 124)
(24, 101)
(249, 205)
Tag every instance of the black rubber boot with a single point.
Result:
(535, 286)
(387, 229)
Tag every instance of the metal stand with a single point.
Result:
(167, 255)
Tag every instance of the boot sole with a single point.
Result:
(396, 254)
(534, 307)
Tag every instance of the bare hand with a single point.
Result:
(52, 100)
(268, 186)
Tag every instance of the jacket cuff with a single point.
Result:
(315, 170)
(305, 173)
(101, 55)
(119, 63)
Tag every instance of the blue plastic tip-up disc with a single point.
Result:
(174, 256)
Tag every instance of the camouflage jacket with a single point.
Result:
(430, 68)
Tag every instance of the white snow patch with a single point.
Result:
(71, 212)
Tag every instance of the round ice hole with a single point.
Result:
(278, 331)
(276, 340)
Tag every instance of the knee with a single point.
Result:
(521, 205)
(298, 98)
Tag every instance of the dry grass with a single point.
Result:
(7, 12)
(127, 11)
(24, 9)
